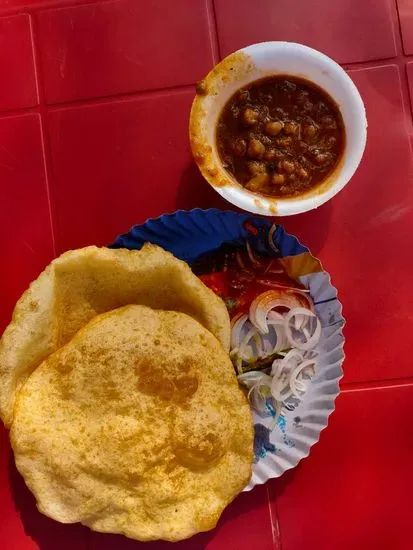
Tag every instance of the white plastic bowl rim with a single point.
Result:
(287, 58)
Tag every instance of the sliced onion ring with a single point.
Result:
(237, 325)
(294, 383)
(252, 256)
(310, 342)
(280, 388)
(244, 350)
(291, 355)
(267, 301)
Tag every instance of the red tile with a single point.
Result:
(409, 70)
(22, 527)
(17, 74)
(135, 46)
(25, 232)
(244, 525)
(13, 5)
(118, 163)
(347, 30)
(363, 237)
(354, 491)
(405, 9)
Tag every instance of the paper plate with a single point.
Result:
(188, 235)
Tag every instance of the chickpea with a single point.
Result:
(291, 128)
(321, 158)
(291, 177)
(256, 167)
(239, 147)
(278, 179)
(302, 173)
(274, 154)
(256, 149)
(309, 131)
(250, 116)
(284, 141)
(273, 128)
(288, 166)
(257, 182)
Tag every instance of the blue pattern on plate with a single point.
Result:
(189, 234)
(262, 444)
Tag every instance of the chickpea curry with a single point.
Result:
(281, 136)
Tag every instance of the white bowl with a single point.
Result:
(259, 61)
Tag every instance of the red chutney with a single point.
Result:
(238, 280)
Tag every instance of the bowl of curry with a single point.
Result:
(277, 128)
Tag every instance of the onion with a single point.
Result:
(245, 351)
(303, 294)
(265, 332)
(291, 359)
(249, 379)
(275, 284)
(237, 325)
(280, 388)
(281, 341)
(269, 269)
(252, 256)
(255, 395)
(265, 302)
(271, 232)
(276, 367)
(239, 260)
(294, 383)
(312, 340)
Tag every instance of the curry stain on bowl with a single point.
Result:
(241, 69)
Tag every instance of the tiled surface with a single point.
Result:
(94, 105)
(22, 526)
(120, 149)
(409, 69)
(135, 46)
(352, 492)
(405, 8)
(17, 72)
(364, 243)
(245, 525)
(348, 30)
(25, 235)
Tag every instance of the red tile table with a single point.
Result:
(94, 104)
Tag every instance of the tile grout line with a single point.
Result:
(376, 385)
(47, 5)
(20, 111)
(275, 525)
(213, 30)
(43, 129)
(122, 96)
(404, 80)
